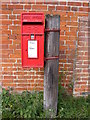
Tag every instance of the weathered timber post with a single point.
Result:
(52, 35)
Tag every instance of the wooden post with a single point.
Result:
(52, 35)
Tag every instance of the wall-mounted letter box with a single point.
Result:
(32, 41)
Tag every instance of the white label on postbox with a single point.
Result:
(32, 49)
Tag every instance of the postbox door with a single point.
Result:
(33, 52)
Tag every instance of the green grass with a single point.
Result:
(30, 105)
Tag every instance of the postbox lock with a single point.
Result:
(32, 36)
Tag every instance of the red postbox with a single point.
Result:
(32, 41)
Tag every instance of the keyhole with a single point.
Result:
(26, 50)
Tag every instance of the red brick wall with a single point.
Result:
(13, 75)
(81, 83)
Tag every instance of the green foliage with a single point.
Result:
(26, 105)
(30, 105)
(71, 107)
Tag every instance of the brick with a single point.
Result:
(63, 37)
(14, 2)
(39, 89)
(82, 38)
(82, 48)
(6, 60)
(39, 7)
(63, 8)
(9, 77)
(81, 14)
(64, 28)
(62, 3)
(15, 56)
(3, 16)
(7, 52)
(61, 42)
(86, 4)
(5, 56)
(39, 73)
(70, 42)
(9, 84)
(7, 73)
(85, 79)
(6, 32)
(41, 77)
(20, 89)
(6, 11)
(18, 46)
(85, 70)
(63, 23)
(83, 87)
(30, 81)
(17, 41)
(73, 18)
(4, 6)
(20, 73)
(86, 53)
(36, 69)
(63, 47)
(70, 34)
(12, 46)
(34, 77)
(81, 43)
(62, 56)
(73, 28)
(18, 11)
(7, 81)
(21, 81)
(12, 17)
(6, 22)
(70, 13)
(74, 8)
(19, 61)
(72, 23)
(4, 27)
(4, 46)
(23, 85)
(13, 37)
(18, 16)
(18, 65)
(51, 7)
(16, 32)
(27, 6)
(39, 2)
(30, 73)
(15, 6)
(51, 2)
(81, 34)
(7, 65)
(83, 9)
(17, 22)
(74, 3)
(62, 32)
(17, 51)
(27, 1)
(41, 69)
(24, 77)
(64, 18)
(14, 27)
